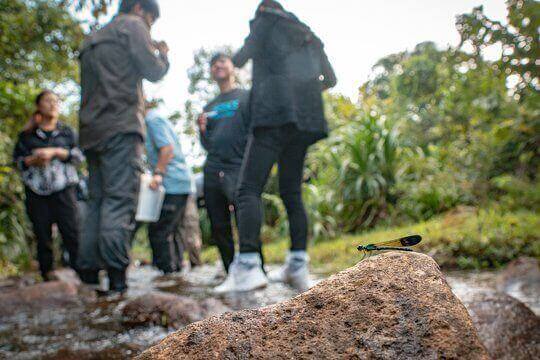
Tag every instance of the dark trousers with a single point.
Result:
(114, 177)
(167, 251)
(219, 196)
(61, 209)
(287, 147)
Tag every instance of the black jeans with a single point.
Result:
(166, 250)
(114, 168)
(219, 196)
(287, 147)
(61, 209)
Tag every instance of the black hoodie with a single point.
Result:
(290, 72)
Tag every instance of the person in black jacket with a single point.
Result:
(290, 72)
(47, 155)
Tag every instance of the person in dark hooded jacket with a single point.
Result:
(290, 72)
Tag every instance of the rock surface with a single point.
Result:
(507, 328)
(521, 279)
(19, 296)
(392, 306)
(105, 354)
(68, 276)
(169, 310)
(53, 294)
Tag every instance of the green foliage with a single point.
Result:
(354, 171)
(429, 187)
(518, 39)
(489, 239)
(515, 193)
(96, 7)
(462, 239)
(465, 239)
(435, 130)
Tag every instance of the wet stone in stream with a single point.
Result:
(96, 330)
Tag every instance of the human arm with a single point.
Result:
(166, 154)
(142, 48)
(245, 107)
(329, 76)
(259, 29)
(22, 155)
(162, 139)
(202, 123)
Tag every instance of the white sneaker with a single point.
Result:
(245, 274)
(294, 272)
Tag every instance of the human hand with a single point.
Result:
(156, 182)
(33, 160)
(162, 47)
(45, 154)
(202, 121)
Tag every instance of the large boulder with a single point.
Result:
(169, 310)
(392, 306)
(508, 329)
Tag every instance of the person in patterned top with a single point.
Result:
(47, 156)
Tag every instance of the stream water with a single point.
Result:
(95, 330)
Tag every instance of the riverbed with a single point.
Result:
(95, 329)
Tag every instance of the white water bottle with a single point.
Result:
(150, 201)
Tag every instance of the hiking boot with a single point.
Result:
(245, 274)
(294, 272)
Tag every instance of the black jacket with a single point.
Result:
(290, 72)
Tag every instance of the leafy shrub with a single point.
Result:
(352, 175)
(14, 228)
(429, 186)
(515, 193)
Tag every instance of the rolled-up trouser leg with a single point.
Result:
(120, 166)
(89, 259)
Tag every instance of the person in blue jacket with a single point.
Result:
(169, 167)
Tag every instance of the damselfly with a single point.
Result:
(402, 244)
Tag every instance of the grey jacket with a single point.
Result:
(114, 61)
